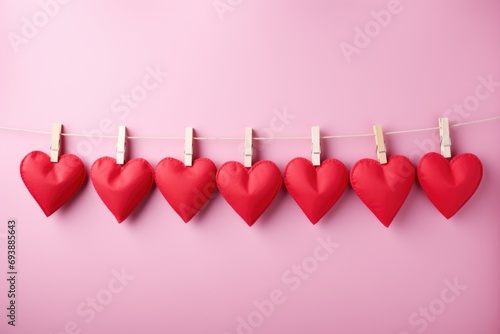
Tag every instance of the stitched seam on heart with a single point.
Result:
(462, 156)
(23, 174)
(216, 177)
(285, 179)
(424, 185)
(124, 167)
(278, 186)
(177, 160)
(82, 181)
(129, 163)
(425, 157)
(267, 162)
(357, 191)
(328, 161)
(476, 160)
(354, 184)
(160, 164)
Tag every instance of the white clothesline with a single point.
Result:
(255, 138)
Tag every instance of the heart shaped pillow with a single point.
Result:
(52, 184)
(186, 189)
(316, 189)
(449, 184)
(121, 187)
(249, 191)
(383, 188)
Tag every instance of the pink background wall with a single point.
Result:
(226, 72)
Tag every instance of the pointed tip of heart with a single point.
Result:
(186, 216)
(448, 215)
(120, 218)
(313, 220)
(249, 220)
(250, 223)
(385, 221)
(47, 213)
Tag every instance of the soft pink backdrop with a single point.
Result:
(224, 75)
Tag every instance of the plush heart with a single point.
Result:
(383, 188)
(121, 187)
(249, 191)
(316, 189)
(449, 184)
(52, 184)
(186, 189)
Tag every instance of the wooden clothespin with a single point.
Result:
(248, 147)
(188, 147)
(380, 142)
(55, 146)
(444, 134)
(316, 146)
(121, 146)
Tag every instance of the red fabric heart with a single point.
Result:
(121, 187)
(249, 191)
(186, 189)
(449, 184)
(316, 189)
(52, 184)
(383, 188)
